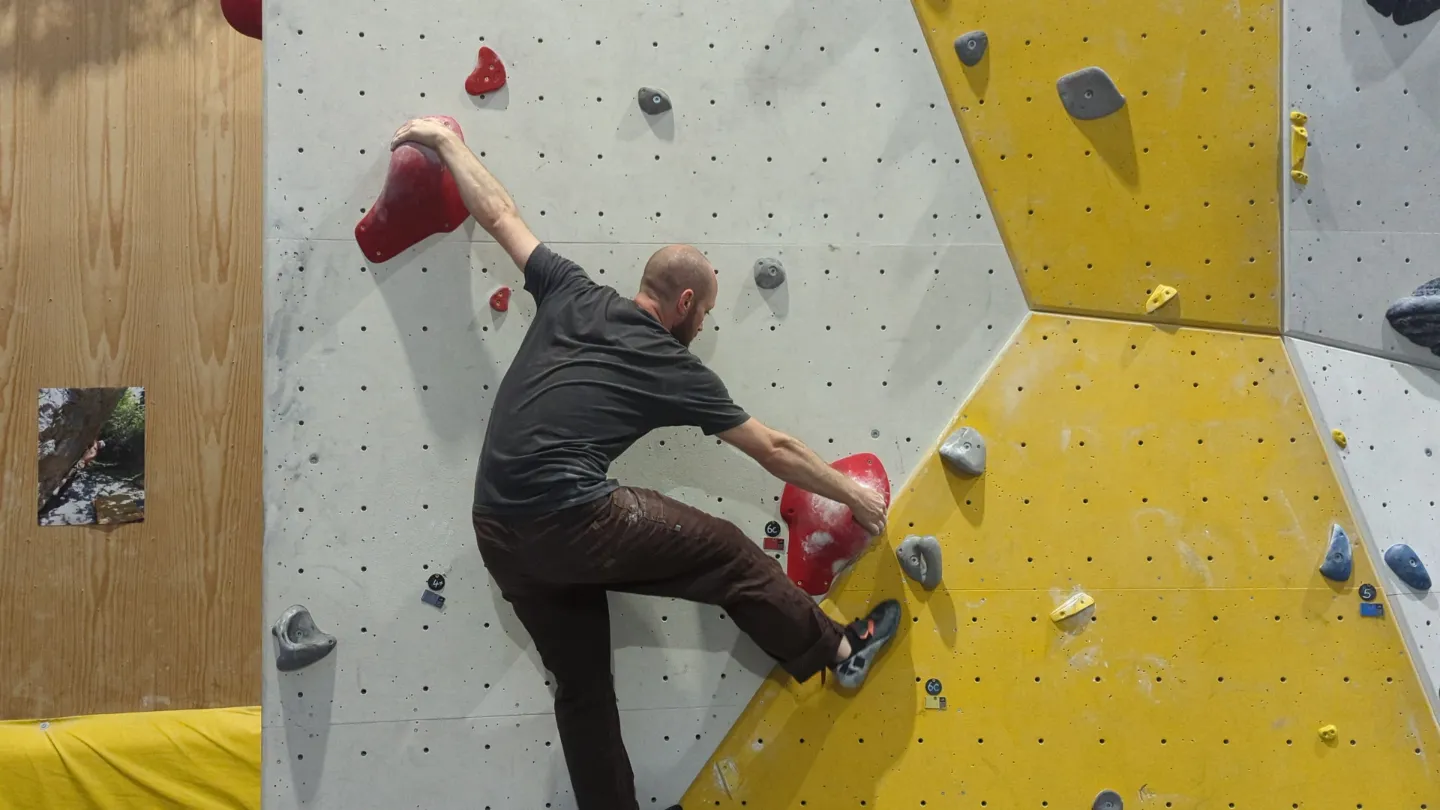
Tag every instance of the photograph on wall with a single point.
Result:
(91, 456)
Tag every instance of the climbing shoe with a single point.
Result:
(868, 637)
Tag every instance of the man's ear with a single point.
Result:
(686, 301)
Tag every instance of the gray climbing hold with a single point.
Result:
(1089, 93)
(298, 642)
(653, 101)
(1108, 800)
(971, 47)
(1407, 566)
(964, 452)
(1338, 558)
(920, 559)
(769, 273)
(1417, 316)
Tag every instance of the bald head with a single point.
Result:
(679, 283)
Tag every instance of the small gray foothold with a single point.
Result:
(971, 47)
(964, 452)
(298, 642)
(1407, 566)
(1338, 558)
(769, 273)
(1417, 316)
(653, 101)
(920, 559)
(1108, 800)
(1089, 93)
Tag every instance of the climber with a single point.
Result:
(595, 372)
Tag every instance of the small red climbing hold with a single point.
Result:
(824, 537)
(488, 75)
(243, 16)
(419, 200)
(500, 300)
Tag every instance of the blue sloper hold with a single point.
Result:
(1417, 316)
(1407, 566)
(1089, 93)
(1339, 559)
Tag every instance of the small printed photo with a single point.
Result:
(91, 456)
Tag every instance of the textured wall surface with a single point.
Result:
(815, 133)
(1214, 651)
(130, 198)
(1362, 233)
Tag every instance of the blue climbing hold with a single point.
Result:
(1407, 566)
(1339, 559)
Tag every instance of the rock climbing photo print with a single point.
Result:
(91, 456)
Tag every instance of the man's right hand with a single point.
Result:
(868, 507)
(424, 131)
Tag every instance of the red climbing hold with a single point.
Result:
(500, 300)
(824, 537)
(243, 16)
(488, 75)
(419, 199)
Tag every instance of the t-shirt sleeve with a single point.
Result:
(701, 399)
(547, 271)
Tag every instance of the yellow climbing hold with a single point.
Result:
(1328, 732)
(1162, 295)
(1299, 143)
(1339, 436)
(1072, 606)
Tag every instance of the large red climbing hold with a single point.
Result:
(488, 75)
(824, 537)
(419, 199)
(243, 16)
(500, 300)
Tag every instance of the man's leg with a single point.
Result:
(571, 630)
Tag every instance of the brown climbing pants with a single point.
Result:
(555, 570)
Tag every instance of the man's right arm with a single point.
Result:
(488, 201)
(788, 459)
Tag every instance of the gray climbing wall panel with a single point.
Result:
(1390, 413)
(1361, 234)
(814, 133)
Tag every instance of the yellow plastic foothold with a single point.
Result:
(1299, 143)
(1328, 732)
(1339, 436)
(1162, 295)
(1071, 606)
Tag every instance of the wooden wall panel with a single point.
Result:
(130, 189)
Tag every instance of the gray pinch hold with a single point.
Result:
(653, 102)
(769, 273)
(1108, 800)
(1089, 93)
(964, 452)
(298, 642)
(971, 47)
(920, 559)
(1339, 559)
(1407, 566)
(1417, 316)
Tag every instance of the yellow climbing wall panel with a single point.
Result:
(1175, 475)
(1179, 187)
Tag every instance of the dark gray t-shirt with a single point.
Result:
(594, 374)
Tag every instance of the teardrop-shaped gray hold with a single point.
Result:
(964, 452)
(298, 642)
(1417, 316)
(1338, 558)
(653, 102)
(920, 559)
(971, 47)
(1108, 800)
(1407, 566)
(769, 273)
(1089, 93)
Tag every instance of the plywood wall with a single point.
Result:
(130, 171)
